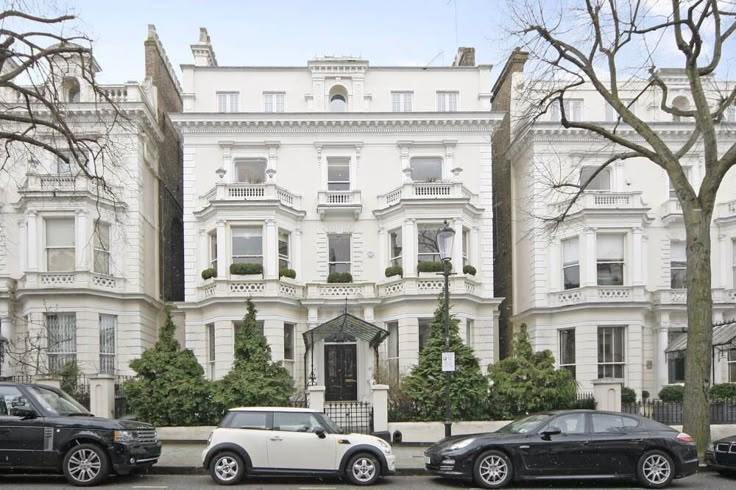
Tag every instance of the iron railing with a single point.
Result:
(351, 416)
(670, 413)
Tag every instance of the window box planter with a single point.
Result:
(246, 269)
(395, 270)
(339, 278)
(209, 273)
(286, 272)
(430, 269)
(469, 270)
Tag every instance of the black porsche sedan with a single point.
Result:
(722, 456)
(572, 444)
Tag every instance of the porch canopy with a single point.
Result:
(341, 328)
(724, 338)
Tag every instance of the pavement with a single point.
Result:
(709, 480)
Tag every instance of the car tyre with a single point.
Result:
(86, 465)
(363, 469)
(655, 469)
(227, 468)
(493, 469)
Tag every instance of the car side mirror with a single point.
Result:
(551, 431)
(320, 433)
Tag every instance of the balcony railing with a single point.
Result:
(598, 294)
(727, 209)
(253, 192)
(65, 183)
(670, 209)
(341, 290)
(428, 285)
(74, 279)
(246, 287)
(129, 92)
(426, 191)
(670, 296)
(339, 201)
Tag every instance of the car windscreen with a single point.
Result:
(524, 425)
(328, 424)
(57, 402)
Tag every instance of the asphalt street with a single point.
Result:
(705, 480)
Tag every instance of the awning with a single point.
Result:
(343, 327)
(724, 338)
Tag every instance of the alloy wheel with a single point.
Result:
(84, 465)
(364, 469)
(493, 470)
(226, 468)
(656, 469)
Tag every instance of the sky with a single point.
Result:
(290, 32)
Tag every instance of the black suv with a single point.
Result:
(43, 429)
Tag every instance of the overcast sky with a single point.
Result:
(290, 32)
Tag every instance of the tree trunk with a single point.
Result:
(696, 407)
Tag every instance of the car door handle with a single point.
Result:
(525, 446)
(277, 438)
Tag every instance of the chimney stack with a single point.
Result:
(464, 57)
(202, 50)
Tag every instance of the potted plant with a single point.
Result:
(209, 273)
(431, 267)
(394, 270)
(246, 269)
(470, 270)
(286, 272)
(340, 277)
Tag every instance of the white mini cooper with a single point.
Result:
(292, 441)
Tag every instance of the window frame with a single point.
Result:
(395, 260)
(100, 249)
(676, 363)
(614, 365)
(594, 185)
(274, 101)
(57, 359)
(570, 265)
(108, 343)
(445, 102)
(439, 178)
(331, 264)
(568, 334)
(339, 161)
(424, 328)
(469, 331)
(292, 347)
(211, 350)
(678, 266)
(466, 246)
(233, 257)
(607, 261)
(402, 100)
(434, 228)
(212, 244)
(72, 247)
(229, 102)
(284, 260)
(253, 178)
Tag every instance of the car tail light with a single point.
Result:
(685, 437)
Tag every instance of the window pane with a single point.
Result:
(60, 260)
(571, 277)
(295, 422)
(338, 103)
(102, 262)
(60, 232)
(610, 247)
(424, 326)
(570, 424)
(607, 423)
(289, 341)
(247, 242)
(567, 346)
(425, 169)
(395, 246)
(339, 248)
(570, 251)
(247, 420)
(102, 236)
(427, 243)
(250, 171)
(211, 352)
(601, 182)
(610, 274)
(338, 174)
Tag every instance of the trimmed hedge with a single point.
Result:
(340, 277)
(672, 393)
(431, 266)
(722, 392)
(394, 270)
(209, 273)
(246, 269)
(628, 395)
(286, 272)
(469, 269)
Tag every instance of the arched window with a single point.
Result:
(680, 102)
(70, 87)
(338, 99)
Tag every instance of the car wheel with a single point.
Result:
(493, 469)
(86, 465)
(363, 469)
(655, 469)
(227, 468)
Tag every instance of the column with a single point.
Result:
(102, 395)
(33, 242)
(588, 258)
(555, 266)
(474, 249)
(296, 253)
(222, 259)
(7, 332)
(409, 244)
(270, 250)
(82, 239)
(204, 251)
(383, 246)
(661, 356)
(457, 246)
(637, 251)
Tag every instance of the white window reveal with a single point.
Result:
(102, 248)
(678, 265)
(211, 351)
(610, 264)
(571, 263)
(601, 182)
(107, 343)
(567, 350)
(227, 101)
(611, 352)
(274, 101)
(284, 255)
(447, 101)
(393, 351)
(426, 169)
(427, 249)
(60, 247)
(339, 253)
(401, 101)
(395, 247)
(338, 174)
(61, 340)
(247, 245)
(250, 170)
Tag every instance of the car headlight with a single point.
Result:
(124, 436)
(385, 446)
(462, 444)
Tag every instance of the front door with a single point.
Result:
(341, 368)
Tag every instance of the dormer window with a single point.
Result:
(71, 91)
(338, 99)
(250, 170)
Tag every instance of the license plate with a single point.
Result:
(427, 460)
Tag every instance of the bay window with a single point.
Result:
(610, 263)
(567, 350)
(611, 352)
(427, 249)
(102, 248)
(284, 255)
(571, 263)
(247, 245)
(60, 246)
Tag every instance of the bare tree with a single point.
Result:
(591, 44)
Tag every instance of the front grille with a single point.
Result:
(147, 436)
(725, 447)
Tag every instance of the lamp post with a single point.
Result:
(445, 237)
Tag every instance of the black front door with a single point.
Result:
(341, 369)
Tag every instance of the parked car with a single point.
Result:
(722, 456)
(43, 429)
(292, 442)
(571, 444)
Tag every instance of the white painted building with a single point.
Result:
(79, 263)
(605, 290)
(336, 166)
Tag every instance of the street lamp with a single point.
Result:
(445, 237)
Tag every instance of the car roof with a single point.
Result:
(273, 409)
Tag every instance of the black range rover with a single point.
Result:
(43, 429)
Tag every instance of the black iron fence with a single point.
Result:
(670, 413)
(351, 416)
(121, 403)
